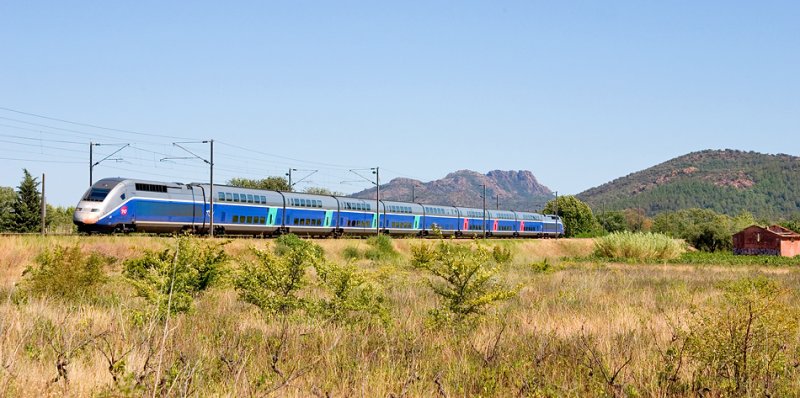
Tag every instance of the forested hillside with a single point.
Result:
(726, 181)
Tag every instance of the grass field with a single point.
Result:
(574, 328)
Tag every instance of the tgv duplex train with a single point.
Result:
(122, 205)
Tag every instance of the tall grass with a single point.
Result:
(577, 330)
(637, 246)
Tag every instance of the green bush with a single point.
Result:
(380, 248)
(502, 254)
(182, 273)
(290, 243)
(464, 278)
(272, 282)
(637, 246)
(351, 296)
(351, 253)
(66, 273)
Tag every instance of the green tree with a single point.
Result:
(612, 221)
(704, 229)
(7, 198)
(271, 183)
(322, 191)
(27, 206)
(576, 215)
(59, 219)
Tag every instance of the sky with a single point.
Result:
(578, 92)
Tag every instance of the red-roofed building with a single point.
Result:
(774, 240)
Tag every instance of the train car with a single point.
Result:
(530, 224)
(246, 211)
(443, 219)
(310, 214)
(401, 218)
(356, 216)
(552, 226)
(119, 205)
(502, 223)
(471, 221)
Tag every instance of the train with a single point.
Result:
(120, 205)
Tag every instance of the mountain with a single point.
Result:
(726, 181)
(517, 190)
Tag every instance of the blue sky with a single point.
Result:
(578, 92)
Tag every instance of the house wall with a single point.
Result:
(755, 240)
(790, 249)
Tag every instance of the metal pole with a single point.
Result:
(484, 211)
(377, 201)
(413, 198)
(290, 179)
(498, 202)
(556, 214)
(44, 208)
(91, 165)
(211, 190)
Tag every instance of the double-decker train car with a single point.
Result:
(124, 205)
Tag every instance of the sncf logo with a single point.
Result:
(124, 210)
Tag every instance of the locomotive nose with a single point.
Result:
(86, 214)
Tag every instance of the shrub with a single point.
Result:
(464, 278)
(502, 254)
(291, 243)
(183, 272)
(739, 342)
(380, 248)
(351, 253)
(351, 295)
(65, 272)
(273, 281)
(637, 246)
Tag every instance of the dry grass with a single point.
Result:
(566, 326)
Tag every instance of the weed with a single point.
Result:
(464, 279)
(170, 279)
(66, 273)
(739, 344)
(351, 253)
(380, 248)
(502, 254)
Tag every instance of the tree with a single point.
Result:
(27, 206)
(7, 198)
(271, 183)
(612, 221)
(636, 220)
(704, 229)
(322, 191)
(576, 215)
(59, 219)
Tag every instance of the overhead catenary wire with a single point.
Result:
(248, 161)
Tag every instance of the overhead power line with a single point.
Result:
(91, 125)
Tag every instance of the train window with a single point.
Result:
(249, 198)
(151, 188)
(235, 219)
(319, 203)
(236, 197)
(228, 197)
(249, 219)
(221, 196)
(296, 221)
(264, 199)
(262, 220)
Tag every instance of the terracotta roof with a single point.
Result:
(783, 232)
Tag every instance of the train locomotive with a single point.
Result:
(114, 205)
